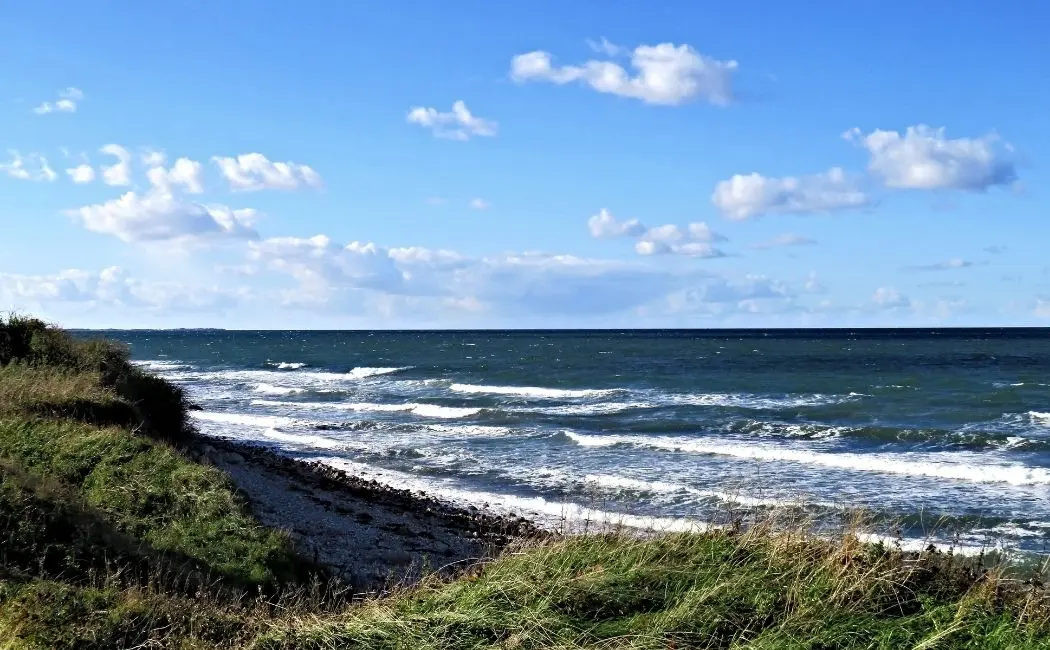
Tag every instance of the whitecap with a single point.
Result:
(627, 483)
(307, 440)
(422, 410)
(934, 465)
(287, 365)
(534, 391)
(602, 408)
(272, 389)
(364, 372)
(758, 402)
(246, 419)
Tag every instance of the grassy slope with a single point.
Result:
(110, 538)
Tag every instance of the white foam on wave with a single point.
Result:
(918, 545)
(758, 402)
(472, 430)
(602, 408)
(534, 391)
(287, 365)
(243, 419)
(272, 389)
(306, 440)
(366, 371)
(162, 365)
(551, 514)
(422, 410)
(1040, 417)
(626, 483)
(944, 465)
(617, 482)
(574, 517)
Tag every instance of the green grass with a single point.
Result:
(110, 537)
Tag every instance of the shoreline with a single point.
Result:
(415, 532)
(371, 535)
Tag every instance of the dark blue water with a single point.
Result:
(938, 429)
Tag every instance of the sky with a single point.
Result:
(469, 164)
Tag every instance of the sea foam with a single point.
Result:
(944, 465)
(534, 391)
(422, 410)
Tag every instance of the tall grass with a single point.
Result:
(158, 407)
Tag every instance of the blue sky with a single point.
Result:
(478, 164)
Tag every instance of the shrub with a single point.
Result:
(159, 406)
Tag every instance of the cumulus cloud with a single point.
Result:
(606, 226)
(457, 124)
(111, 287)
(888, 297)
(744, 196)
(695, 240)
(603, 46)
(318, 262)
(160, 216)
(347, 276)
(120, 173)
(185, 173)
(254, 171)
(32, 167)
(480, 204)
(66, 103)
(665, 74)
(924, 158)
(81, 174)
(780, 241)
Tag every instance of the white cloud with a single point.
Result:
(66, 103)
(693, 241)
(606, 226)
(813, 284)
(666, 74)
(160, 216)
(480, 204)
(32, 167)
(318, 263)
(603, 46)
(720, 296)
(254, 171)
(787, 239)
(120, 173)
(111, 287)
(923, 158)
(81, 174)
(889, 297)
(751, 195)
(154, 158)
(185, 173)
(337, 277)
(458, 124)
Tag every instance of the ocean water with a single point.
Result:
(945, 433)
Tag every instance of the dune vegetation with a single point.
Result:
(111, 536)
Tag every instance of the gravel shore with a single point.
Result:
(369, 535)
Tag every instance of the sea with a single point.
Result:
(936, 436)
